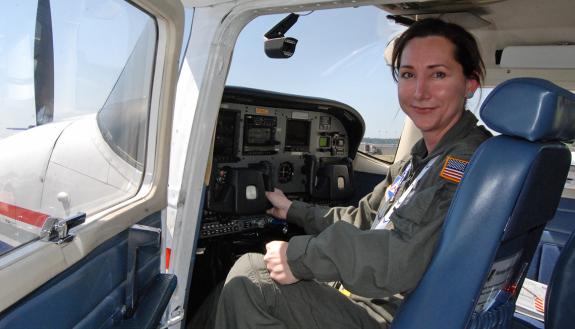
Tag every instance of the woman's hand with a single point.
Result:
(276, 263)
(280, 204)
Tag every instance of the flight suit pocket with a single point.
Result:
(424, 206)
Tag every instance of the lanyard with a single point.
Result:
(380, 223)
(394, 187)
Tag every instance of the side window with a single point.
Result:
(75, 84)
(341, 62)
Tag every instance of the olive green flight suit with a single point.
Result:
(376, 266)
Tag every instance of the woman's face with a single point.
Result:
(431, 86)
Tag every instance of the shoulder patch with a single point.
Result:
(453, 169)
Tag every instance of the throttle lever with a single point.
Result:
(268, 172)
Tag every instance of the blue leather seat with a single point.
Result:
(560, 296)
(510, 190)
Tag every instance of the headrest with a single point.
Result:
(534, 109)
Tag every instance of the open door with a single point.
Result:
(81, 194)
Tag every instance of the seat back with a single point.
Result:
(561, 290)
(511, 188)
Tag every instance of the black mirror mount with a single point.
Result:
(280, 29)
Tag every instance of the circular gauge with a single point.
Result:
(285, 172)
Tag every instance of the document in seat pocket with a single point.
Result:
(531, 300)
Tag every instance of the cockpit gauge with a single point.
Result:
(285, 172)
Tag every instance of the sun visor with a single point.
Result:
(548, 57)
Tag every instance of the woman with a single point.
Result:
(380, 249)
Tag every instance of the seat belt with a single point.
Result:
(380, 223)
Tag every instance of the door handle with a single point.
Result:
(138, 236)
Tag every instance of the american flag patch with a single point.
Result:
(453, 169)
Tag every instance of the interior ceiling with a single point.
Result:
(500, 23)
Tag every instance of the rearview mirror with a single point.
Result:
(280, 47)
(277, 45)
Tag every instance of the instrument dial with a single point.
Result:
(285, 172)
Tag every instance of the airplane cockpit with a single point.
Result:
(263, 140)
(139, 139)
(328, 151)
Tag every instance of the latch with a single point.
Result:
(176, 316)
(56, 229)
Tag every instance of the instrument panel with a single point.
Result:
(285, 138)
(263, 140)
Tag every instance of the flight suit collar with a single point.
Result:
(457, 132)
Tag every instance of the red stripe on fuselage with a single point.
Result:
(23, 215)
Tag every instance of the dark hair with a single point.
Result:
(466, 50)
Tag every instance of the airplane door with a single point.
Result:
(82, 185)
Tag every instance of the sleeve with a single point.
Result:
(314, 219)
(378, 263)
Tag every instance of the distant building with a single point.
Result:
(379, 146)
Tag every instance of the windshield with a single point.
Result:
(353, 71)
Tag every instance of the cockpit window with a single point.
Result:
(123, 120)
(75, 84)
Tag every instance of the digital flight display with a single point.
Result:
(259, 136)
(297, 135)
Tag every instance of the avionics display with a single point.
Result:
(297, 135)
(225, 144)
(259, 134)
(324, 141)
